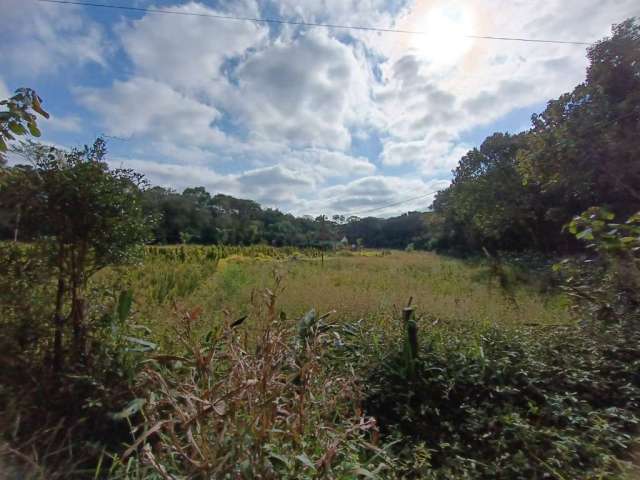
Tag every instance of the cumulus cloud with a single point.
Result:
(307, 91)
(58, 123)
(189, 52)
(4, 90)
(47, 38)
(274, 186)
(436, 154)
(423, 97)
(142, 106)
(364, 196)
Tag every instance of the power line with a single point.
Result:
(383, 207)
(281, 21)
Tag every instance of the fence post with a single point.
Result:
(412, 331)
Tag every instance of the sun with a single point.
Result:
(445, 33)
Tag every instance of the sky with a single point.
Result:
(307, 120)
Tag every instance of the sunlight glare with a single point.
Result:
(444, 41)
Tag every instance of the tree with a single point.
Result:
(487, 203)
(18, 119)
(87, 215)
(584, 148)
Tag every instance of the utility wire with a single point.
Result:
(383, 207)
(595, 125)
(300, 23)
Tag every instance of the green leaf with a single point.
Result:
(34, 130)
(363, 472)
(145, 346)
(586, 234)
(306, 461)
(17, 128)
(132, 408)
(280, 458)
(124, 304)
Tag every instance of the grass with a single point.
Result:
(292, 393)
(448, 294)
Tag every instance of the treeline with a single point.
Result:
(196, 216)
(518, 191)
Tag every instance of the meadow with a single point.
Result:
(369, 286)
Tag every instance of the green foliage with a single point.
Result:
(514, 407)
(85, 215)
(516, 191)
(25, 292)
(605, 286)
(18, 119)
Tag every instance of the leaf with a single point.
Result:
(586, 234)
(132, 408)
(306, 323)
(37, 106)
(281, 458)
(125, 302)
(34, 130)
(306, 461)
(17, 128)
(146, 346)
(363, 472)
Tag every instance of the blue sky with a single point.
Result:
(308, 120)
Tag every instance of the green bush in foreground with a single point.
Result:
(548, 404)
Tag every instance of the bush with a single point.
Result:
(605, 283)
(519, 407)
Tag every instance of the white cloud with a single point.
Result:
(307, 91)
(145, 107)
(363, 195)
(46, 38)
(189, 51)
(280, 107)
(62, 123)
(436, 154)
(274, 186)
(4, 90)
(423, 98)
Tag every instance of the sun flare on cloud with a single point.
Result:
(445, 28)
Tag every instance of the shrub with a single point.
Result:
(605, 284)
(517, 408)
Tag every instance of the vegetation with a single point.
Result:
(517, 191)
(267, 354)
(18, 118)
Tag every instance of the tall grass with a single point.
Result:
(275, 408)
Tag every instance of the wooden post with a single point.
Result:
(412, 331)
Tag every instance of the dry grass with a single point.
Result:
(273, 409)
(449, 295)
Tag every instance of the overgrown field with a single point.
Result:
(371, 286)
(216, 362)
